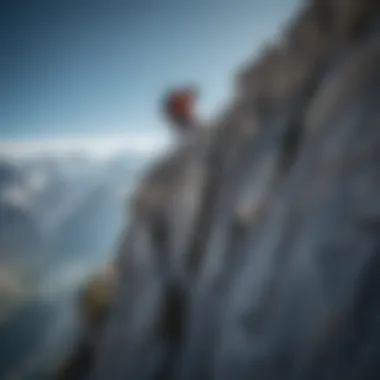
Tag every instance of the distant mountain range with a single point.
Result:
(67, 207)
(60, 218)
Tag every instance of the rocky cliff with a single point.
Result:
(254, 252)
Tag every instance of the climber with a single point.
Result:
(179, 108)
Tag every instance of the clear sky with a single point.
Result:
(100, 66)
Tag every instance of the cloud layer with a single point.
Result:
(95, 146)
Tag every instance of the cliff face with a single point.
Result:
(254, 252)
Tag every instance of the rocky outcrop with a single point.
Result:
(254, 253)
(93, 303)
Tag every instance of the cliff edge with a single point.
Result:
(254, 252)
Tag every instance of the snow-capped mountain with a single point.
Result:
(67, 205)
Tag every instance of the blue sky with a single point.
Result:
(99, 67)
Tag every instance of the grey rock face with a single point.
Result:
(254, 253)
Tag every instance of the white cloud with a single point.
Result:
(95, 146)
(22, 193)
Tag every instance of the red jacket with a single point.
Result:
(179, 106)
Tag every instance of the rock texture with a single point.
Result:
(255, 253)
